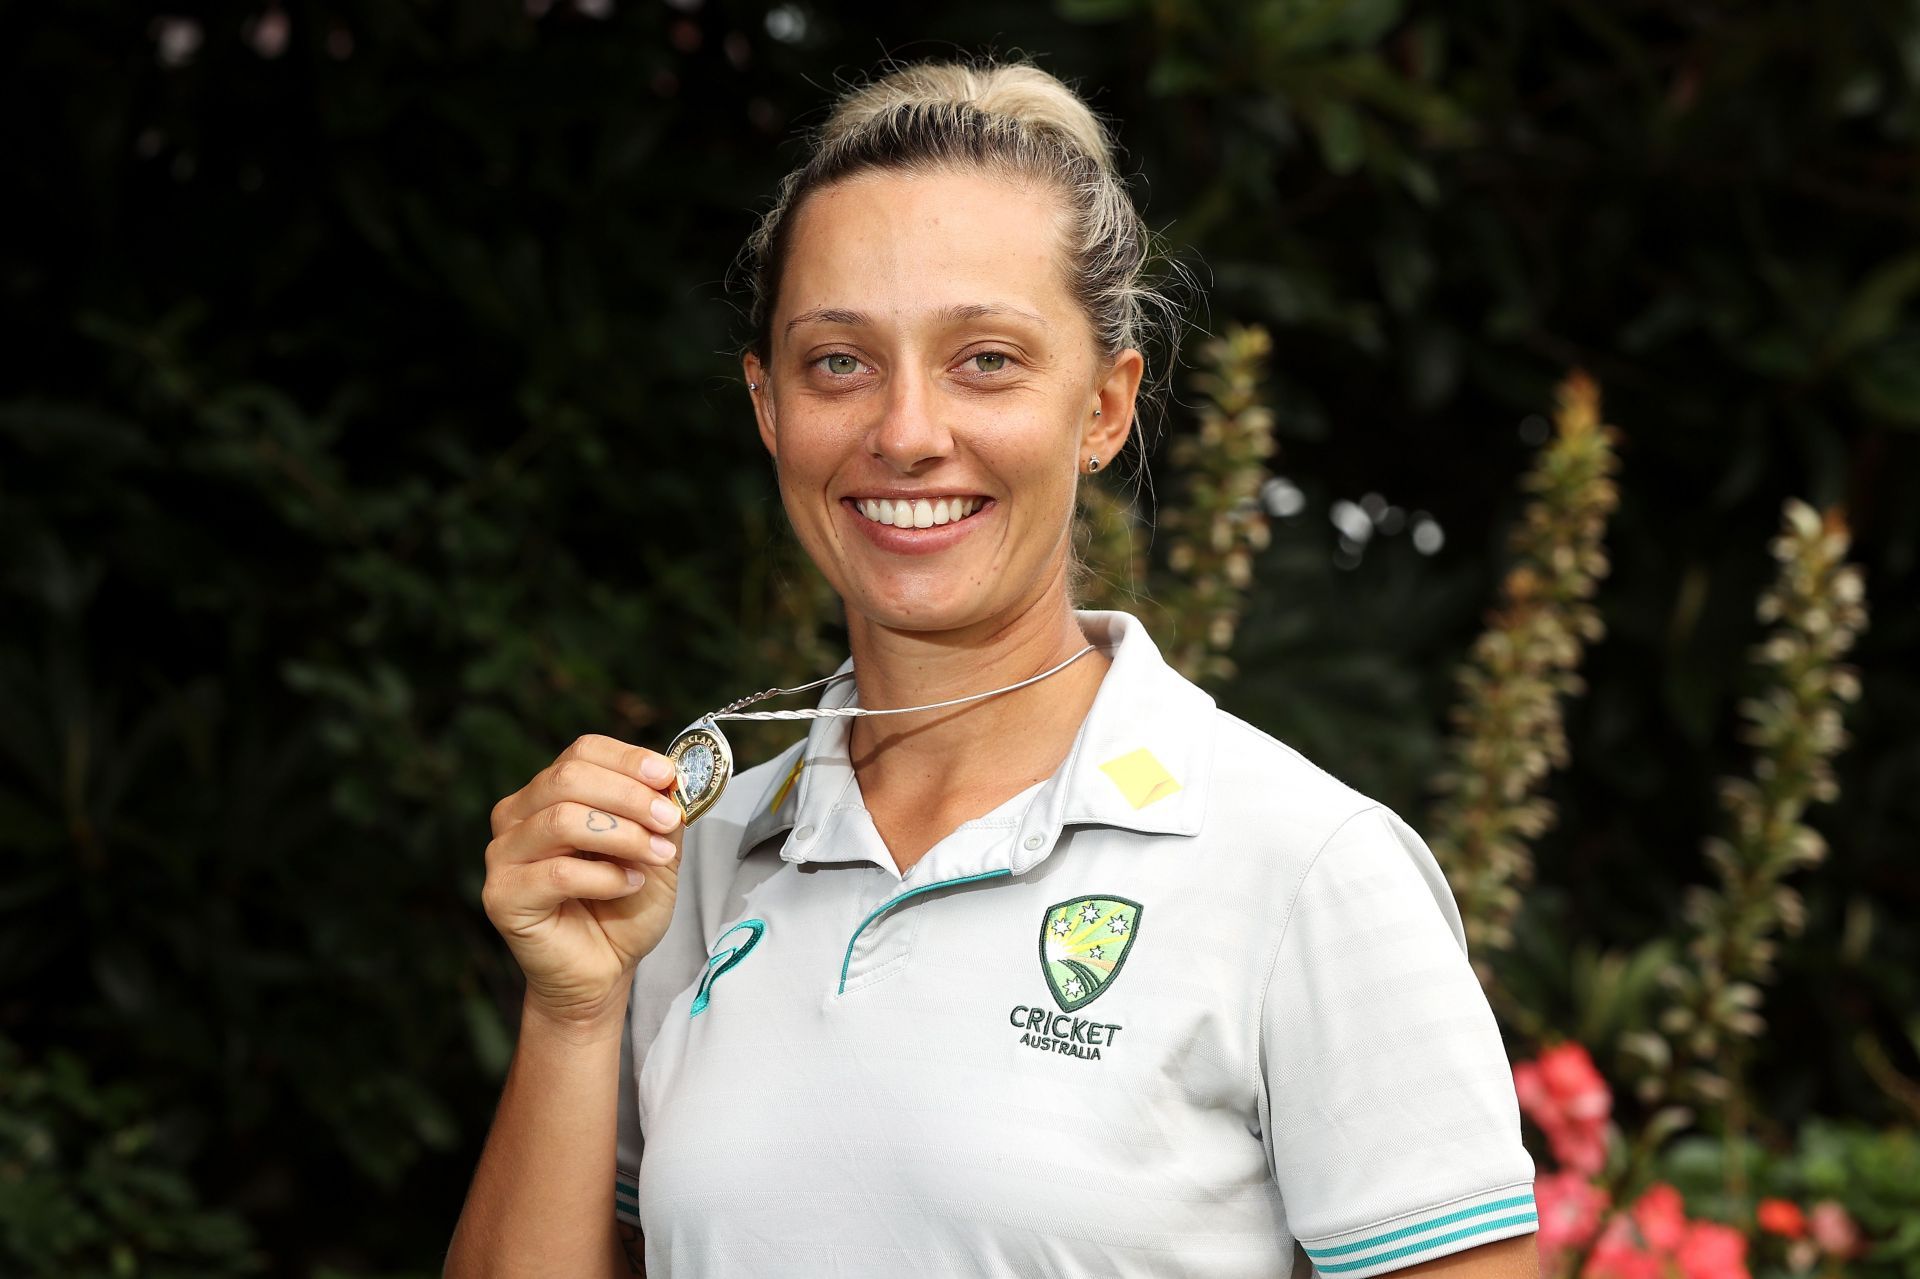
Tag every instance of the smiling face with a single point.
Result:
(929, 395)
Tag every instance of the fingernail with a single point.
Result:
(656, 770)
(662, 848)
(633, 878)
(665, 813)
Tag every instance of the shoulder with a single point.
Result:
(1263, 791)
(1271, 808)
(756, 803)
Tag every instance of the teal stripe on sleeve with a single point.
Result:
(1426, 1245)
(1435, 1223)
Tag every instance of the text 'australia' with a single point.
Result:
(1062, 1033)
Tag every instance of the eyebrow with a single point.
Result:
(957, 313)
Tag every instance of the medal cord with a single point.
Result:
(833, 712)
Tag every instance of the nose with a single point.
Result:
(909, 433)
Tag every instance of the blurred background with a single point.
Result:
(370, 427)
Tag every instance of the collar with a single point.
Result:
(1141, 760)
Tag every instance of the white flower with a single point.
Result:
(177, 38)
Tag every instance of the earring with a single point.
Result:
(753, 386)
(1096, 412)
(1093, 463)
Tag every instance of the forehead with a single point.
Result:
(897, 244)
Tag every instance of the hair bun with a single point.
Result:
(1037, 102)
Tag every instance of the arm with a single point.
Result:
(541, 1202)
(1388, 1107)
(1516, 1258)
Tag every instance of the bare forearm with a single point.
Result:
(541, 1202)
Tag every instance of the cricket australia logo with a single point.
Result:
(1083, 946)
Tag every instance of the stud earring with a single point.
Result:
(1093, 463)
(753, 386)
(1096, 412)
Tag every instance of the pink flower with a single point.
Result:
(268, 32)
(1833, 1229)
(1661, 1217)
(1583, 1148)
(1565, 1095)
(1570, 1210)
(1571, 1078)
(1712, 1251)
(1570, 1207)
(1618, 1255)
(1781, 1217)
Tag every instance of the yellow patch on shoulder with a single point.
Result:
(1140, 777)
(793, 775)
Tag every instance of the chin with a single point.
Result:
(919, 610)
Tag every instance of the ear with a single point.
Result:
(762, 396)
(1115, 397)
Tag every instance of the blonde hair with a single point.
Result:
(1010, 118)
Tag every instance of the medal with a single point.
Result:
(703, 759)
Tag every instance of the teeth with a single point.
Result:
(920, 513)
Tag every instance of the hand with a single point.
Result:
(557, 884)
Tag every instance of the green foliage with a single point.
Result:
(1874, 1174)
(91, 1183)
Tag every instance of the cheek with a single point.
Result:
(810, 447)
(1036, 468)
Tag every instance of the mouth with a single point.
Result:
(924, 512)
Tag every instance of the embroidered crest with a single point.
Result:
(1083, 944)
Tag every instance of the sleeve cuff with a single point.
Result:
(1421, 1236)
(626, 1197)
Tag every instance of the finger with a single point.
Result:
(533, 891)
(583, 781)
(569, 827)
(648, 766)
(591, 771)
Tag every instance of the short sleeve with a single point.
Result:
(1388, 1109)
(626, 1172)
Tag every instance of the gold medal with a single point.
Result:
(702, 764)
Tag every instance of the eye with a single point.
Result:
(840, 364)
(991, 361)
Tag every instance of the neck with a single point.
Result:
(1001, 743)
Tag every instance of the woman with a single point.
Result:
(1086, 977)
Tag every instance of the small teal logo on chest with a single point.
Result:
(1084, 944)
(743, 936)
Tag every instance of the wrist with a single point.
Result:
(599, 1026)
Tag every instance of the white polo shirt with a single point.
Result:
(1185, 1002)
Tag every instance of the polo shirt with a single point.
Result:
(1187, 1001)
